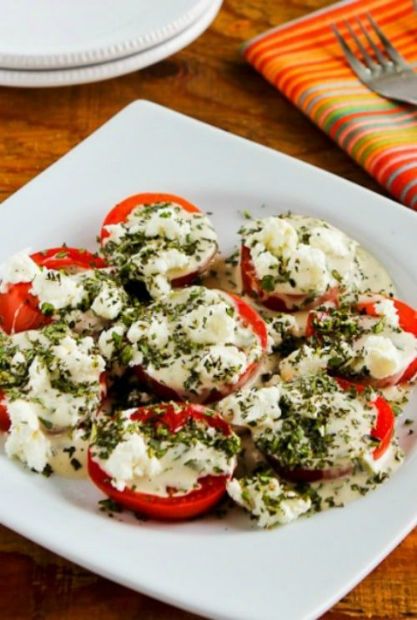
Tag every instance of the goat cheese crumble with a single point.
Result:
(270, 501)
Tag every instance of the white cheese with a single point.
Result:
(25, 440)
(303, 362)
(219, 360)
(60, 409)
(157, 332)
(281, 326)
(160, 269)
(331, 241)
(210, 325)
(347, 422)
(116, 232)
(109, 303)
(165, 222)
(308, 268)
(386, 308)
(19, 268)
(57, 289)
(61, 290)
(106, 342)
(77, 360)
(268, 500)
(130, 460)
(385, 354)
(253, 408)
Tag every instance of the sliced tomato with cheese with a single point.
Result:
(120, 213)
(382, 432)
(407, 319)
(173, 507)
(280, 302)
(19, 309)
(251, 319)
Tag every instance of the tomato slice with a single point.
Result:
(170, 508)
(66, 258)
(4, 416)
(251, 319)
(120, 212)
(383, 431)
(280, 303)
(19, 310)
(407, 316)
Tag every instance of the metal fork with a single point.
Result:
(380, 66)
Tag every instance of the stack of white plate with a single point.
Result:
(62, 42)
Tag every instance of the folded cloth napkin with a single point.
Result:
(304, 61)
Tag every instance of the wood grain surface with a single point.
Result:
(209, 81)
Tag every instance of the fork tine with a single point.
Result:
(379, 55)
(389, 48)
(370, 63)
(356, 65)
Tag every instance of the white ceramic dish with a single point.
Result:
(68, 33)
(218, 568)
(110, 69)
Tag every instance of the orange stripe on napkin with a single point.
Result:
(304, 61)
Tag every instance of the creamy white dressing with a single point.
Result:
(341, 491)
(69, 454)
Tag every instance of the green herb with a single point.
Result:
(75, 463)
(268, 283)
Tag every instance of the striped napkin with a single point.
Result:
(303, 60)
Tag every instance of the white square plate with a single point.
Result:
(218, 568)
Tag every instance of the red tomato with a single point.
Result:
(251, 319)
(171, 508)
(19, 310)
(383, 431)
(4, 416)
(274, 301)
(120, 212)
(407, 316)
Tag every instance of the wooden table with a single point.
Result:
(208, 81)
